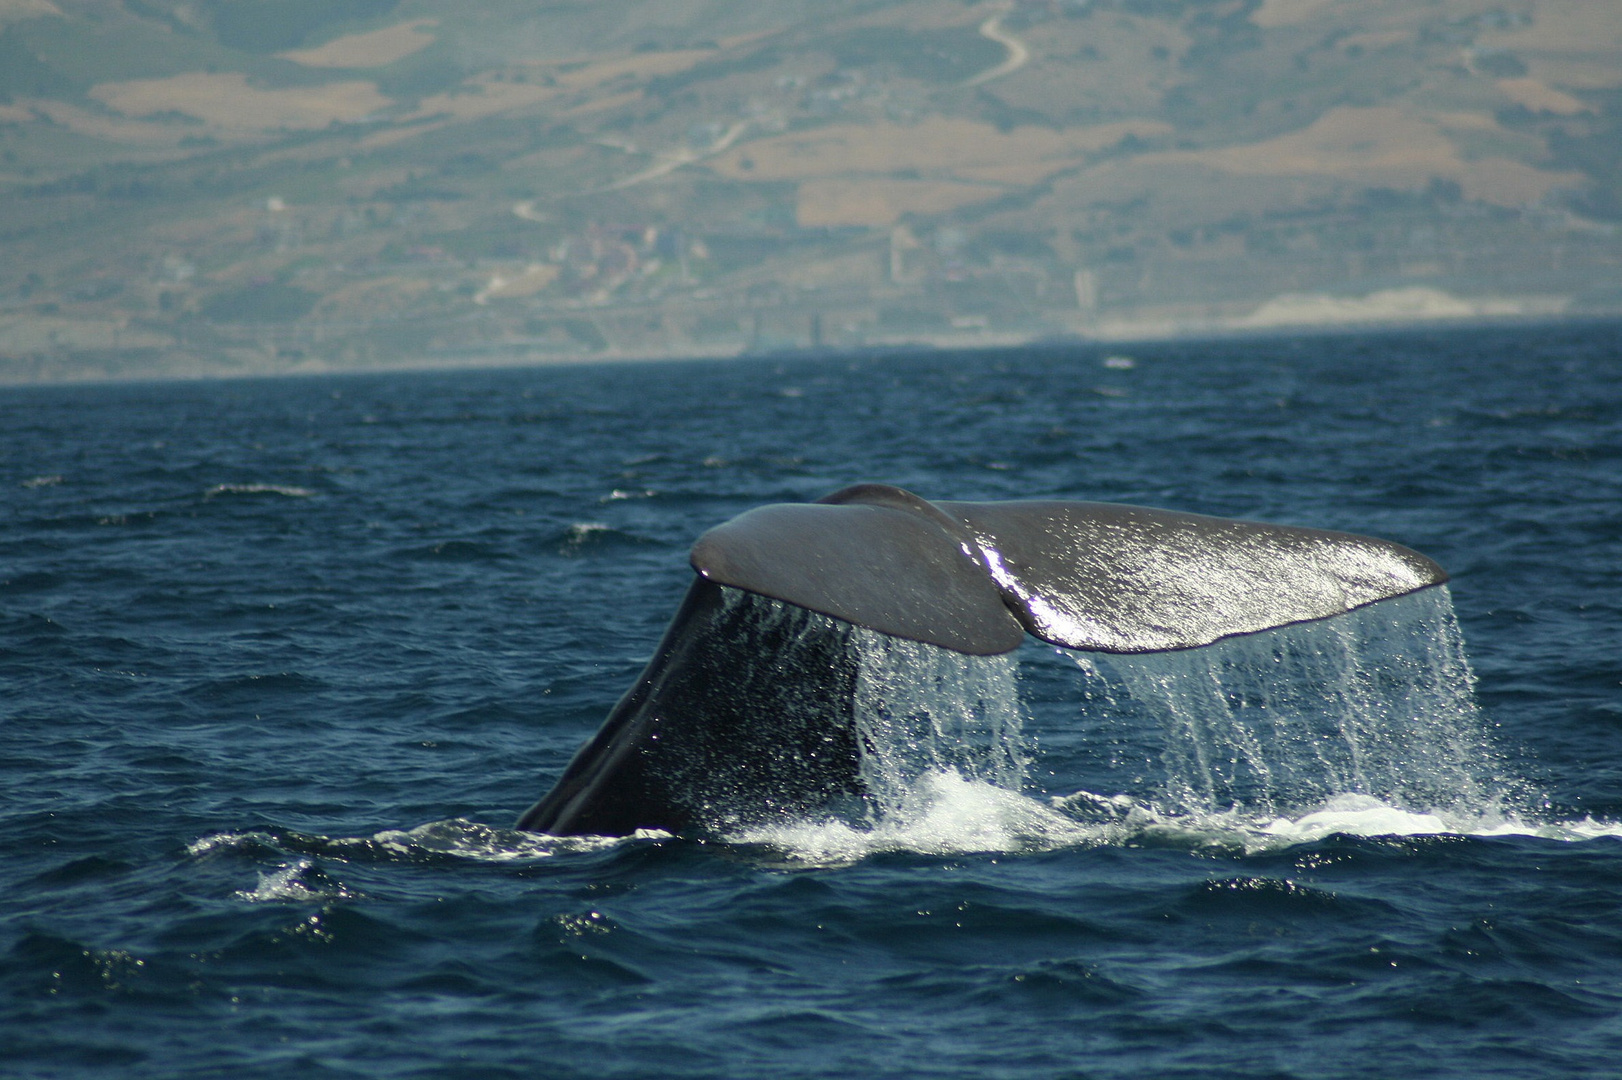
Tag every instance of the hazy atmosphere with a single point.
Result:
(256, 186)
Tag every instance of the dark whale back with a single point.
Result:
(743, 712)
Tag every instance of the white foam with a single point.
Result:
(943, 813)
(219, 842)
(303, 881)
(1569, 831)
(581, 533)
(283, 885)
(1348, 814)
(457, 838)
(1355, 815)
(286, 490)
(946, 813)
(470, 840)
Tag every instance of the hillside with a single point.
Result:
(192, 186)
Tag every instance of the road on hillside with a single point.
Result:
(1018, 53)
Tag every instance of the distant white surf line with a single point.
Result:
(1413, 304)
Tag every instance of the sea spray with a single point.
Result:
(925, 711)
(1378, 702)
(942, 758)
(1365, 723)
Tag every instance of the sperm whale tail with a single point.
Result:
(745, 709)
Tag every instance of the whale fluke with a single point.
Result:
(903, 570)
(974, 577)
(1128, 579)
(745, 709)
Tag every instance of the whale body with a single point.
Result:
(746, 709)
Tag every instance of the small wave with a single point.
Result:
(286, 490)
(288, 884)
(582, 535)
(50, 480)
(221, 843)
(588, 537)
(456, 839)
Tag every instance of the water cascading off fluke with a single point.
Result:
(1378, 702)
(921, 710)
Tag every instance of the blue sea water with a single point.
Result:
(282, 661)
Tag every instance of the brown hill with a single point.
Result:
(206, 185)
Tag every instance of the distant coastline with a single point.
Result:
(73, 369)
(253, 187)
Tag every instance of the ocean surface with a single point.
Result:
(283, 661)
